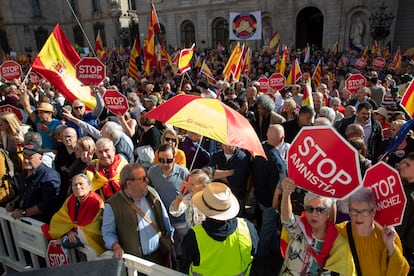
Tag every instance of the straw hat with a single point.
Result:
(45, 107)
(216, 201)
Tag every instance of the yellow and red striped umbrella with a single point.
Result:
(210, 118)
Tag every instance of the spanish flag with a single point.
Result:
(274, 41)
(135, 53)
(307, 98)
(396, 61)
(335, 49)
(295, 73)
(407, 100)
(153, 29)
(56, 63)
(99, 49)
(184, 60)
(247, 64)
(205, 70)
(282, 66)
(386, 53)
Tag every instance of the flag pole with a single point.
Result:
(27, 74)
(182, 81)
(80, 26)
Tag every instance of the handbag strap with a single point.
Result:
(353, 249)
(142, 214)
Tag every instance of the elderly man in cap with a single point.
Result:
(223, 244)
(37, 188)
(42, 119)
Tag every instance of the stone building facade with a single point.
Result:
(25, 24)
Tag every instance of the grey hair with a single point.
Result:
(104, 140)
(309, 196)
(126, 173)
(266, 102)
(114, 130)
(82, 175)
(327, 112)
(32, 136)
(204, 175)
(363, 195)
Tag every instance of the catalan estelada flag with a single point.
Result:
(295, 73)
(184, 61)
(135, 53)
(56, 63)
(407, 100)
(317, 74)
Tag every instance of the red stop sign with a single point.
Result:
(385, 183)
(379, 63)
(11, 70)
(13, 109)
(115, 102)
(360, 63)
(90, 71)
(56, 255)
(354, 82)
(345, 61)
(320, 160)
(277, 81)
(264, 84)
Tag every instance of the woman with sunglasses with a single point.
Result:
(376, 250)
(169, 136)
(315, 246)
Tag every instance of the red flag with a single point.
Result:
(153, 29)
(184, 61)
(407, 100)
(317, 74)
(99, 49)
(56, 63)
(135, 53)
(295, 73)
(274, 41)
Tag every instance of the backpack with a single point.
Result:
(8, 178)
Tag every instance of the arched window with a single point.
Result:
(36, 10)
(41, 35)
(98, 26)
(187, 33)
(220, 32)
(78, 35)
(4, 42)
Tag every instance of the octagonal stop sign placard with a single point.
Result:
(277, 81)
(355, 81)
(116, 102)
(90, 71)
(264, 84)
(13, 109)
(320, 160)
(10, 70)
(385, 183)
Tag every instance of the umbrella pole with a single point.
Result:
(195, 154)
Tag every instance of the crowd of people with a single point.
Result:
(131, 184)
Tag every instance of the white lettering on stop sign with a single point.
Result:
(326, 167)
(90, 69)
(10, 69)
(114, 101)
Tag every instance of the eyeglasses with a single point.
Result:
(166, 160)
(78, 107)
(168, 139)
(319, 210)
(363, 212)
(143, 178)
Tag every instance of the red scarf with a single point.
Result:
(88, 209)
(330, 237)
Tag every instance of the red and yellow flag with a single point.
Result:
(233, 63)
(376, 49)
(135, 53)
(282, 65)
(365, 53)
(205, 70)
(317, 74)
(407, 100)
(274, 41)
(335, 49)
(307, 98)
(184, 60)
(99, 49)
(153, 29)
(56, 63)
(246, 68)
(295, 73)
(396, 61)
(386, 53)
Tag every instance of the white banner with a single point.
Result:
(245, 26)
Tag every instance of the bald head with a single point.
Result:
(354, 130)
(275, 135)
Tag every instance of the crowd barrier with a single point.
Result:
(23, 247)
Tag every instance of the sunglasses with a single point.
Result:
(170, 139)
(363, 212)
(78, 107)
(166, 160)
(319, 210)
